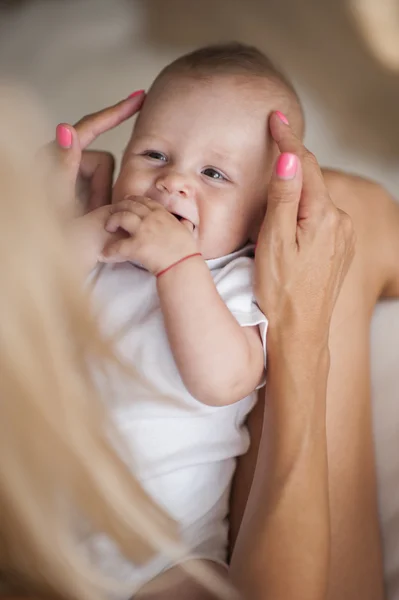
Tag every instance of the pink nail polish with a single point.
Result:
(282, 117)
(286, 166)
(63, 136)
(134, 94)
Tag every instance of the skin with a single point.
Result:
(355, 568)
(213, 178)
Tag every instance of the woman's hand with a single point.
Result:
(304, 250)
(305, 245)
(86, 175)
(78, 169)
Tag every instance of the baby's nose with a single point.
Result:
(175, 184)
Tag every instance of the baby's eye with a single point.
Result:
(155, 155)
(213, 174)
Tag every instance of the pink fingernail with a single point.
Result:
(134, 94)
(286, 166)
(282, 117)
(63, 136)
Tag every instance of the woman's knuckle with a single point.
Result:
(347, 225)
(331, 218)
(282, 193)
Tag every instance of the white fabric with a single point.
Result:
(182, 451)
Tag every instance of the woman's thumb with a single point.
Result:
(69, 155)
(283, 196)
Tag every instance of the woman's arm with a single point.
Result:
(304, 251)
(286, 523)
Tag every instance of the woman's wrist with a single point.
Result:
(297, 373)
(305, 344)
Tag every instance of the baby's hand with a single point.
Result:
(157, 239)
(87, 236)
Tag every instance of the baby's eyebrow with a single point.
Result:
(142, 140)
(219, 155)
(223, 157)
(147, 138)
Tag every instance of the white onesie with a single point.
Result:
(183, 452)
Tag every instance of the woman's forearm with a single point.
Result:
(282, 551)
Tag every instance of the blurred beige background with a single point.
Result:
(80, 55)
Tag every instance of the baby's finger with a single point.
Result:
(149, 203)
(117, 252)
(91, 126)
(187, 224)
(283, 199)
(132, 204)
(124, 219)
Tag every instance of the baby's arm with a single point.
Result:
(219, 361)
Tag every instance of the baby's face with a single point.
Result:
(200, 149)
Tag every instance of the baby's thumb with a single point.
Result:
(283, 196)
(187, 224)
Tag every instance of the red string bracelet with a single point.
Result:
(177, 263)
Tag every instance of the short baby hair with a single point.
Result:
(233, 58)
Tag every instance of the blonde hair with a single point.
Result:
(58, 459)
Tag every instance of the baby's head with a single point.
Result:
(201, 146)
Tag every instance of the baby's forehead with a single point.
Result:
(219, 109)
(250, 94)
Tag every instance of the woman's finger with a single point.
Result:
(314, 195)
(68, 154)
(283, 199)
(96, 169)
(91, 126)
(283, 135)
(95, 178)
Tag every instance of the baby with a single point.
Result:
(189, 200)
